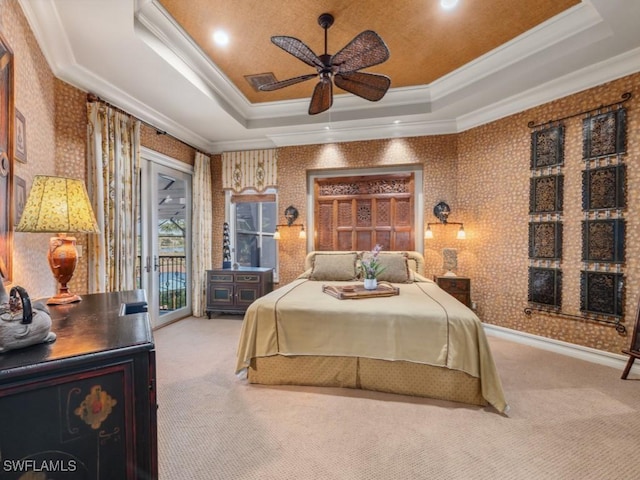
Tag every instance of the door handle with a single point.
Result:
(155, 263)
(147, 266)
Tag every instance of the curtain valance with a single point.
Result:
(254, 169)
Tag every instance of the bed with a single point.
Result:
(420, 342)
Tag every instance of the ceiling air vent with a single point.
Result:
(260, 79)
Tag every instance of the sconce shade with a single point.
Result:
(428, 233)
(59, 205)
(461, 234)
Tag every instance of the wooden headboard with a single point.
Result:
(414, 259)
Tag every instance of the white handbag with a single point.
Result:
(22, 324)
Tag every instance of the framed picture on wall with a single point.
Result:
(7, 140)
(20, 152)
(20, 191)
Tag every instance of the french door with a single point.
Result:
(165, 237)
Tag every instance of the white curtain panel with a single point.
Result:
(202, 227)
(113, 166)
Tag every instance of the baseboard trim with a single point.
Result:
(617, 361)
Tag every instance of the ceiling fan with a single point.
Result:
(365, 50)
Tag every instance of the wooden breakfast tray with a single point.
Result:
(356, 291)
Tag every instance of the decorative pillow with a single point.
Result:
(413, 264)
(304, 275)
(395, 268)
(334, 266)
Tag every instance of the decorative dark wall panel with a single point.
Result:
(603, 241)
(604, 188)
(604, 134)
(545, 240)
(545, 286)
(547, 147)
(602, 293)
(545, 194)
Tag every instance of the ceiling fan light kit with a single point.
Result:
(365, 50)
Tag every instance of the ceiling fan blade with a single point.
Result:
(268, 87)
(322, 98)
(370, 86)
(365, 50)
(298, 49)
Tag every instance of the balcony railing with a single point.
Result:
(172, 281)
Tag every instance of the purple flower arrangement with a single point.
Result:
(371, 267)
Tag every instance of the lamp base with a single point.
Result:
(63, 257)
(63, 299)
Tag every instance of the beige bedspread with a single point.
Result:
(422, 324)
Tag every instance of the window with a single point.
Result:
(253, 220)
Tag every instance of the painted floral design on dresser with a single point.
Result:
(96, 407)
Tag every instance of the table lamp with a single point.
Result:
(59, 205)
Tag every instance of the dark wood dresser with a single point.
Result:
(233, 290)
(83, 406)
(458, 287)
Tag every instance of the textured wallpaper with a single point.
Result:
(35, 92)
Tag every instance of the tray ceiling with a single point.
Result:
(426, 42)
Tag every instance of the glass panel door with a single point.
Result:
(165, 243)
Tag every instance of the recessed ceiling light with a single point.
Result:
(448, 4)
(221, 38)
(396, 121)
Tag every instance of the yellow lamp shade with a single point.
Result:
(58, 205)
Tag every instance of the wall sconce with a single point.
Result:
(442, 211)
(291, 214)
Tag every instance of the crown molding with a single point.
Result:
(611, 69)
(155, 27)
(563, 27)
(50, 35)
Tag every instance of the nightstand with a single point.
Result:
(232, 291)
(458, 287)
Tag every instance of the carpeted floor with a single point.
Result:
(569, 419)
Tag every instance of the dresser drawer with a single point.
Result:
(247, 278)
(216, 277)
(459, 284)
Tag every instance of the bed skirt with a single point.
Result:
(400, 377)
